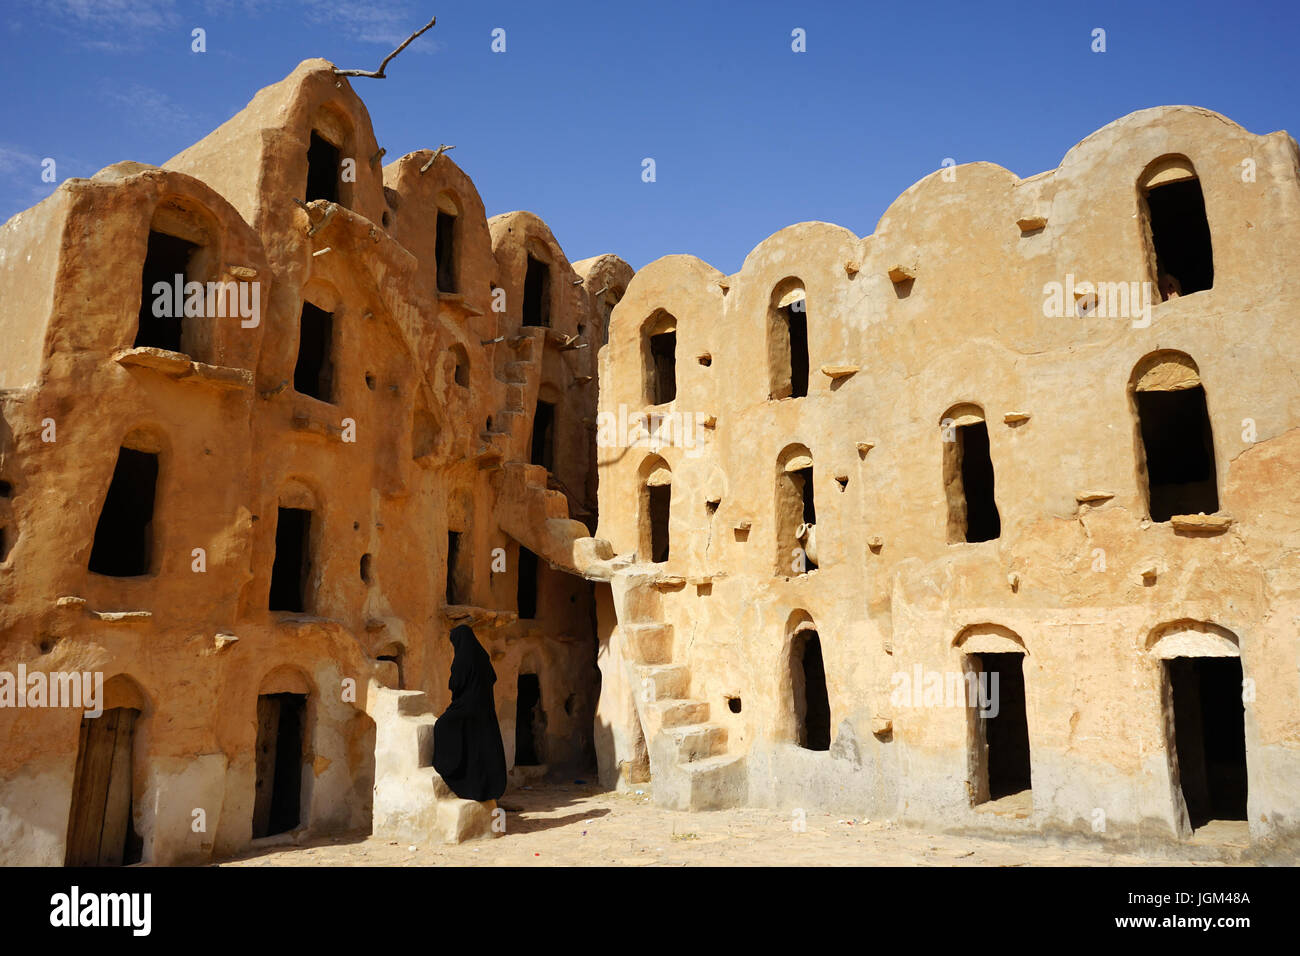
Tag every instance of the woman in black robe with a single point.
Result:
(467, 748)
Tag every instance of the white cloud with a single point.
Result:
(135, 15)
(148, 107)
(16, 163)
(384, 27)
(121, 26)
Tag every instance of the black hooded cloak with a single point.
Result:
(467, 748)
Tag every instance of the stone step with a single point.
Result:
(556, 504)
(710, 783)
(515, 398)
(715, 783)
(712, 764)
(504, 423)
(517, 372)
(695, 742)
(680, 713)
(666, 680)
(523, 346)
(650, 643)
(413, 703)
(532, 474)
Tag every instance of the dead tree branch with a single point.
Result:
(379, 73)
(436, 153)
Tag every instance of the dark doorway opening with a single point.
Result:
(543, 445)
(537, 293)
(526, 589)
(166, 258)
(528, 715)
(983, 523)
(314, 373)
(1209, 736)
(1179, 446)
(281, 721)
(454, 592)
(123, 546)
(1004, 735)
(291, 568)
(797, 322)
(323, 169)
(663, 361)
(445, 240)
(101, 831)
(1180, 232)
(660, 500)
(812, 708)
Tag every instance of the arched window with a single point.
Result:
(124, 537)
(313, 373)
(796, 512)
(1175, 440)
(329, 143)
(446, 233)
(659, 358)
(545, 426)
(968, 476)
(537, 290)
(787, 341)
(655, 509)
(182, 248)
(295, 540)
(808, 701)
(1177, 231)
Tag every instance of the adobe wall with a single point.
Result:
(889, 360)
(427, 425)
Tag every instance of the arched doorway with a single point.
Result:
(808, 701)
(101, 828)
(998, 727)
(282, 752)
(1205, 721)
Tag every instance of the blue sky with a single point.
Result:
(747, 136)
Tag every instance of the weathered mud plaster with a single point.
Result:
(416, 421)
(941, 321)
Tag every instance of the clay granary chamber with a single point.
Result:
(985, 521)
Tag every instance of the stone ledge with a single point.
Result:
(472, 614)
(1204, 524)
(122, 617)
(455, 302)
(181, 367)
(837, 372)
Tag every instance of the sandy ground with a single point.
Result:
(581, 825)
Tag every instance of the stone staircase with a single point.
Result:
(522, 379)
(412, 804)
(689, 762)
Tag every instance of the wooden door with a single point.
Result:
(99, 825)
